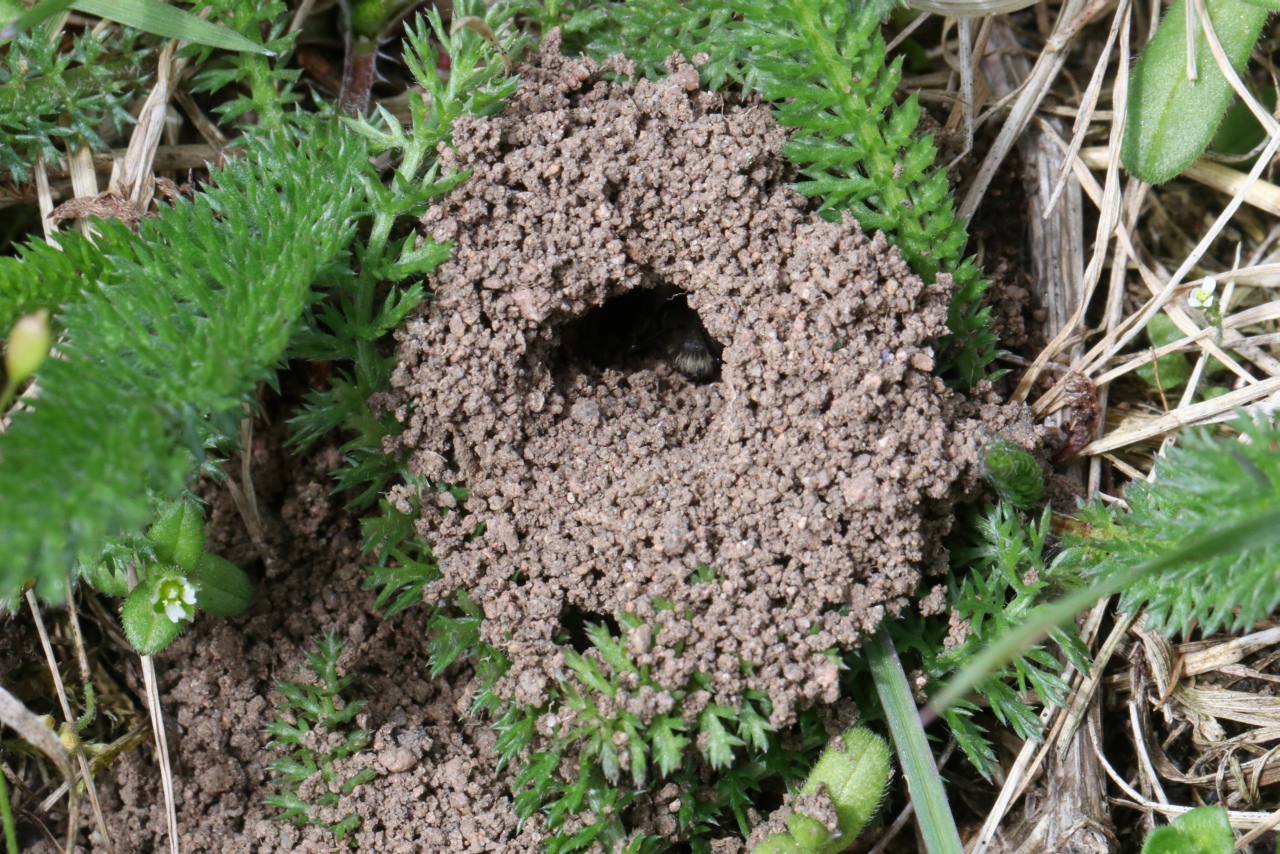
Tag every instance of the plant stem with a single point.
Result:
(6, 817)
(933, 813)
(263, 90)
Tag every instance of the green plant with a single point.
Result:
(315, 708)
(148, 16)
(362, 309)
(588, 752)
(263, 86)
(1172, 119)
(167, 341)
(175, 575)
(1016, 476)
(50, 93)
(852, 774)
(1172, 370)
(998, 579)
(1204, 830)
(1204, 484)
(6, 818)
(823, 66)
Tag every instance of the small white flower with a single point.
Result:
(176, 597)
(1202, 297)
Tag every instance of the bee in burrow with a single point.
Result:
(675, 333)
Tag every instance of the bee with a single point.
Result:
(675, 334)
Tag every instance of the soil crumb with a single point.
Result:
(776, 502)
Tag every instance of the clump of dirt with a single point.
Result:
(812, 465)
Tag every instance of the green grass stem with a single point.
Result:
(933, 813)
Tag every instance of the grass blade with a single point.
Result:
(155, 17)
(933, 813)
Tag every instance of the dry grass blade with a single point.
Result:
(44, 195)
(84, 179)
(1075, 14)
(1089, 103)
(135, 180)
(1228, 652)
(1218, 409)
(1261, 113)
(33, 730)
(1109, 208)
(86, 677)
(1026, 767)
(156, 714)
(1231, 340)
(162, 748)
(1056, 238)
(1260, 194)
(168, 158)
(1262, 828)
(1194, 710)
(73, 819)
(969, 8)
(70, 718)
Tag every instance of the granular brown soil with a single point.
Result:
(435, 788)
(815, 473)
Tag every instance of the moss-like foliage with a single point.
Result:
(1014, 473)
(591, 749)
(321, 708)
(48, 93)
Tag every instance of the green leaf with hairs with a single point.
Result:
(1204, 830)
(1172, 119)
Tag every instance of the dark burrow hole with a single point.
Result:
(573, 627)
(636, 329)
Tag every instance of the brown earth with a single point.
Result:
(815, 474)
(435, 788)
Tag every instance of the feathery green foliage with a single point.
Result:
(315, 707)
(649, 32)
(49, 93)
(995, 582)
(1202, 485)
(620, 748)
(64, 271)
(167, 344)
(269, 82)
(823, 66)
(363, 309)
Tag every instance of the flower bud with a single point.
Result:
(29, 344)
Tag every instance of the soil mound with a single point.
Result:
(673, 390)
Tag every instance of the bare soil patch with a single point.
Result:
(815, 473)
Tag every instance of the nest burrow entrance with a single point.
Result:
(638, 329)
